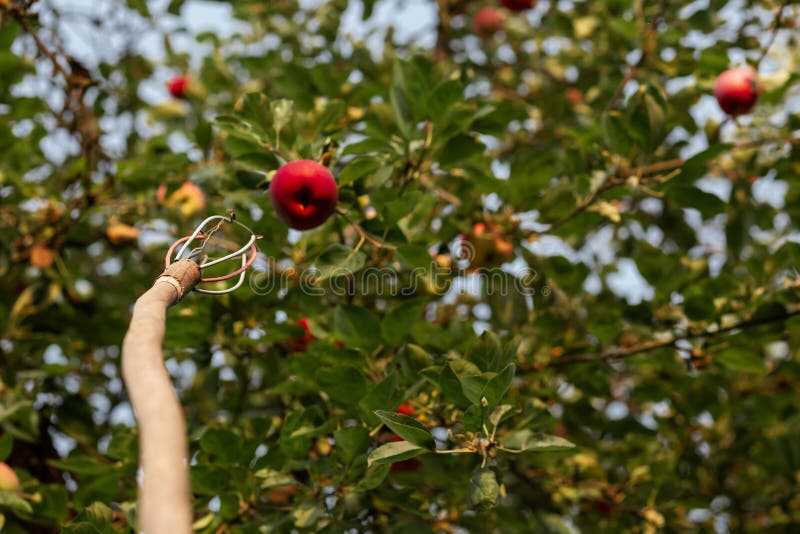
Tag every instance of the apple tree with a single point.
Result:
(522, 266)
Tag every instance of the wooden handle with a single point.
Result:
(164, 495)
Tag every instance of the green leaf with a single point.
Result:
(6, 444)
(656, 119)
(459, 150)
(282, 111)
(447, 381)
(473, 418)
(397, 324)
(366, 146)
(528, 441)
(344, 384)
(357, 327)
(358, 168)
(374, 477)
(399, 101)
(13, 501)
(443, 98)
(401, 207)
(616, 136)
(489, 386)
(414, 256)
(487, 352)
(707, 204)
(307, 514)
(81, 465)
(95, 518)
(352, 441)
(396, 451)
(407, 428)
(221, 442)
(339, 260)
(483, 489)
(208, 480)
(695, 167)
(498, 412)
(385, 393)
(11, 410)
(271, 478)
(741, 359)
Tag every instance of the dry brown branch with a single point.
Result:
(164, 496)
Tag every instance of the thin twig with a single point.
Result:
(655, 168)
(776, 25)
(671, 341)
(360, 231)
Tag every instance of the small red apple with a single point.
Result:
(299, 344)
(518, 5)
(8, 478)
(479, 229)
(406, 409)
(574, 96)
(737, 90)
(404, 466)
(303, 194)
(178, 86)
(487, 21)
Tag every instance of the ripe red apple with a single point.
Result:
(737, 90)
(504, 249)
(487, 21)
(404, 466)
(406, 409)
(574, 96)
(299, 344)
(518, 5)
(178, 86)
(8, 478)
(303, 194)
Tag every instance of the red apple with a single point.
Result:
(404, 466)
(504, 249)
(574, 96)
(299, 344)
(406, 409)
(479, 229)
(303, 194)
(8, 478)
(487, 21)
(178, 86)
(518, 5)
(737, 90)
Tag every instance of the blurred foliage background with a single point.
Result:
(656, 238)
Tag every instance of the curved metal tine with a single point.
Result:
(241, 251)
(230, 289)
(196, 232)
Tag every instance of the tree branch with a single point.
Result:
(776, 25)
(669, 342)
(164, 496)
(655, 168)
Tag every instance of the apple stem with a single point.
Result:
(364, 236)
